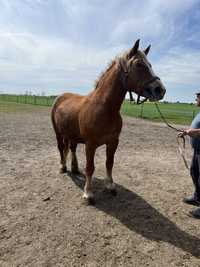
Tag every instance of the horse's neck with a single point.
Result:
(111, 90)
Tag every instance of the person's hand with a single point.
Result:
(191, 132)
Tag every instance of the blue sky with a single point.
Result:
(54, 46)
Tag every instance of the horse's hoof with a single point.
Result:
(89, 198)
(113, 192)
(111, 188)
(63, 170)
(89, 201)
(75, 171)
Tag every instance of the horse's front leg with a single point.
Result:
(89, 170)
(110, 152)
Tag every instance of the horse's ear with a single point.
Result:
(146, 51)
(134, 49)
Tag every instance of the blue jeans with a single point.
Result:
(195, 173)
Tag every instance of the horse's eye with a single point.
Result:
(140, 65)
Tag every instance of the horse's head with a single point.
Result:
(140, 77)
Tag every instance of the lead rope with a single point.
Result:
(181, 151)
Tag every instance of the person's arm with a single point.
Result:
(191, 132)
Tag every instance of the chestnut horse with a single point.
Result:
(95, 119)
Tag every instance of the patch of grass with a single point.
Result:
(29, 99)
(12, 107)
(177, 113)
(174, 113)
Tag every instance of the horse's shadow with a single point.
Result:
(139, 216)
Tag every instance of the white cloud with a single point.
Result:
(180, 73)
(65, 44)
(180, 67)
(41, 62)
(174, 7)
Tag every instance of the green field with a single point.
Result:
(173, 112)
(29, 99)
(12, 107)
(177, 113)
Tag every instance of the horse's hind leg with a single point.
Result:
(74, 162)
(63, 147)
(110, 152)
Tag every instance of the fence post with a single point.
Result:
(141, 111)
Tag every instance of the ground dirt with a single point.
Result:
(45, 222)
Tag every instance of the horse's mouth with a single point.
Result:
(154, 94)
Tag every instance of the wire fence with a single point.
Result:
(179, 113)
(28, 99)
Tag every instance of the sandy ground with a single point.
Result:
(44, 221)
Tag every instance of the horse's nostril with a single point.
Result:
(158, 90)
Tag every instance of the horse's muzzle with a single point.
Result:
(158, 92)
(154, 93)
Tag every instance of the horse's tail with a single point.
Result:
(53, 111)
(52, 118)
(58, 100)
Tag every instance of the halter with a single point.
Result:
(124, 82)
(153, 79)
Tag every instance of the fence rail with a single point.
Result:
(173, 112)
(28, 99)
(180, 113)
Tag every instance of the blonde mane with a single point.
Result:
(104, 73)
(116, 61)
